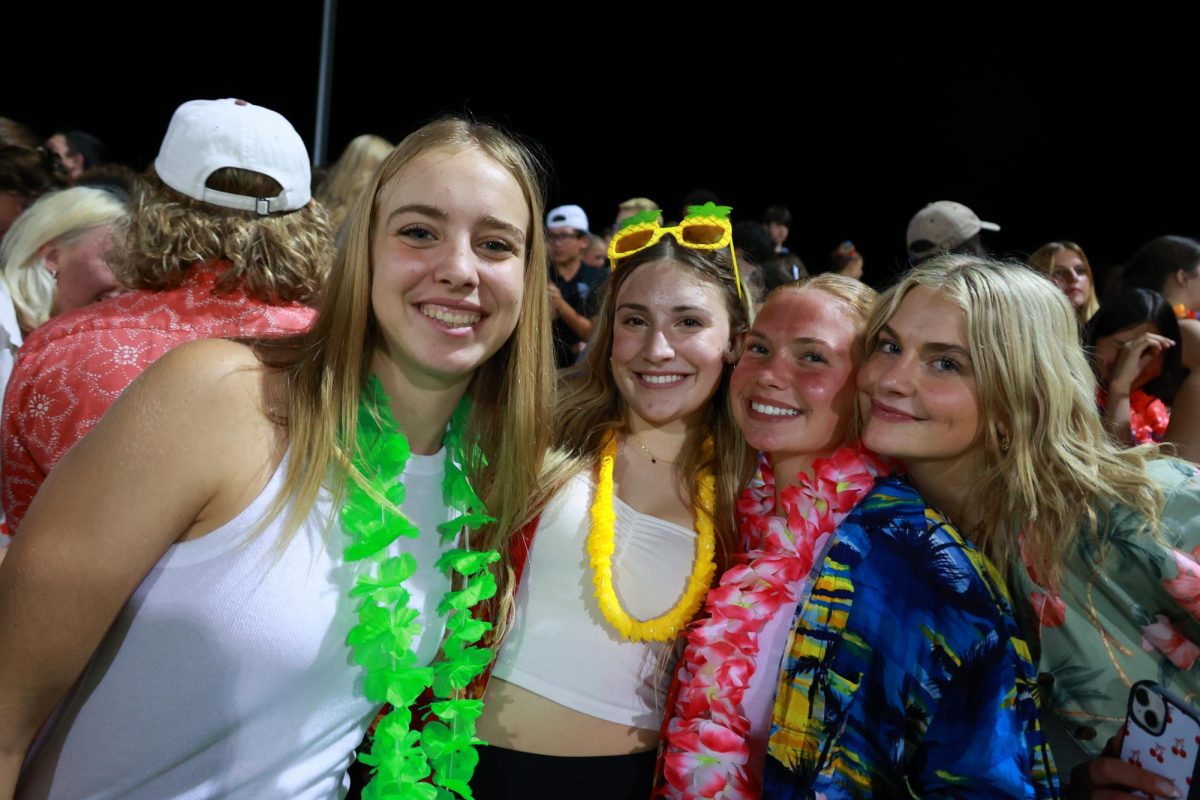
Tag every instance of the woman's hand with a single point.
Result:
(1110, 778)
(1135, 355)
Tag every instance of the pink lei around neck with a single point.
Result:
(706, 753)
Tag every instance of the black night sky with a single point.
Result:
(1065, 123)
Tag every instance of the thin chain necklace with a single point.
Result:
(653, 458)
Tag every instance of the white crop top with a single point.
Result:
(227, 674)
(560, 646)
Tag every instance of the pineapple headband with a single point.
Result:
(705, 227)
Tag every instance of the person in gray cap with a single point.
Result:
(946, 227)
(574, 286)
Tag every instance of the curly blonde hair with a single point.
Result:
(278, 258)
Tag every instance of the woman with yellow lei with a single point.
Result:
(626, 549)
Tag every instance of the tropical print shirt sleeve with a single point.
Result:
(1128, 609)
(906, 675)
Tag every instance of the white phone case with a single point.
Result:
(1162, 734)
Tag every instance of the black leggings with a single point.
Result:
(504, 774)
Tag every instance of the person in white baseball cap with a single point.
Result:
(222, 241)
(574, 286)
(946, 227)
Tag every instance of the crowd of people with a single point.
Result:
(390, 481)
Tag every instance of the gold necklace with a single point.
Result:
(662, 628)
(653, 458)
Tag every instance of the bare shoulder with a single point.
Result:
(1189, 333)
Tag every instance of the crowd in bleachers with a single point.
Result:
(389, 459)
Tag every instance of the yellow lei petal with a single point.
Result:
(600, 547)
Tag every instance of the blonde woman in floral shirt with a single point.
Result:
(994, 415)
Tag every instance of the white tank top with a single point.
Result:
(560, 646)
(227, 674)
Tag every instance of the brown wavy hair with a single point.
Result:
(591, 408)
(277, 258)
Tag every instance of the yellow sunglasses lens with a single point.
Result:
(631, 242)
(701, 233)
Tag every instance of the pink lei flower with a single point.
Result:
(1165, 638)
(1185, 589)
(706, 752)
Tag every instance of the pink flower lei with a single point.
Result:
(706, 751)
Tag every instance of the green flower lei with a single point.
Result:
(402, 759)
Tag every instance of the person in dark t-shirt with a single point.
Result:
(574, 286)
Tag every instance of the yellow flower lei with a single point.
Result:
(662, 628)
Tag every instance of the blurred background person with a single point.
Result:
(78, 150)
(777, 222)
(55, 257)
(946, 227)
(1067, 265)
(222, 241)
(352, 173)
(25, 175)
(634, 205)
(846, 260)
(1134, 339)
(1170, 265)
(596, 256)
(574, 286)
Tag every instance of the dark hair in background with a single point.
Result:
(116, 179)
(13, 132)
(31, 172)
(1133, 307)
(84, 144)
(1156, 261)
(751, 239)
(698, 197)
(778, 214)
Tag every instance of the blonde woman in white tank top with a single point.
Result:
(439, 292)
(576, 697)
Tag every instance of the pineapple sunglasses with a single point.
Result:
(701, 229)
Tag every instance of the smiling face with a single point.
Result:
(82, 271)
(918, 388)
(671, 336)
(793, 388)
(1068, 271)
(448, 260)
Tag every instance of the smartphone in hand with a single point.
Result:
(1162, 734)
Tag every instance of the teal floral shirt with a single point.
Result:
(906, 674)
(1127, 611)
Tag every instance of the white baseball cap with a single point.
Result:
(567, 217)
(207, 135)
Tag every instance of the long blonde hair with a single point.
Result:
(1037, 394)
(511, 394)
(1042, 260)
(590, 407)
(352, 175)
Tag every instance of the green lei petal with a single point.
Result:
(437, 763)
